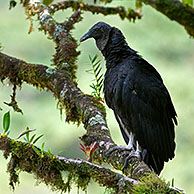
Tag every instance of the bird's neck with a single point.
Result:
(116, 49)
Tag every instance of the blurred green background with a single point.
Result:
(162, 42)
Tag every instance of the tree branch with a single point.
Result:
(79, 107)
(129, 14)
(66, 55)
(49, 168)
(175, 10)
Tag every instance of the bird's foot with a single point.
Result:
(119, 148)
(132, 155)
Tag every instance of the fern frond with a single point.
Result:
(98, 76)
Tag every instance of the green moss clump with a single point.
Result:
(82, 182)
(152, 184)
(13, 171)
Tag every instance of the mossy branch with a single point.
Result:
(66, 54)
(175, 10)
(129, 14)
(79, 108)
(49, 168)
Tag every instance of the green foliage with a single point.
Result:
(31, 140)
(37, 138)
(42, 146)
(41, 152)
(172, 184)
(6, 122)
(96, 68)
(36, 150)
(189, 2)
(151, 184)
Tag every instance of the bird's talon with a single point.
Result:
(110, 151)
(119, 148)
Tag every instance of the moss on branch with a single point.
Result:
(49, 168)
(65, 57)
(175, 10)
(79, 107)
(129, 14)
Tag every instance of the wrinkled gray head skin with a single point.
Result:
(100, 32)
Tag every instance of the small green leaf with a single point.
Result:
(89, 70)
(37, 138)
(93, 86)
(36, 150)
(189, 2)
(42, 146)
(49, 152)
(172, 182)
(90, 58)
(31, 139)
(97, 63)
(27, 134)
(95, 57)
(99, 79)
(100, 88)
(6, 121)
(98, 72)
(96, 68)
(101, 82)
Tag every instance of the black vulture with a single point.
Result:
(135, 91)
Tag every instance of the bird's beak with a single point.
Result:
(85, 37)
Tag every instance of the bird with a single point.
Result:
(136, 93)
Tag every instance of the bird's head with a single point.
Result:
(100, 32)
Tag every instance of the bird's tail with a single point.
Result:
(154, 162)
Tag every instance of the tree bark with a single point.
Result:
(49, 168)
